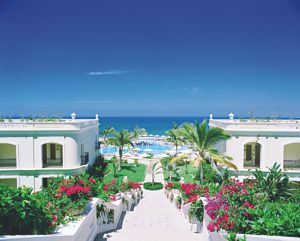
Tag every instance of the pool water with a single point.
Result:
(154, 149)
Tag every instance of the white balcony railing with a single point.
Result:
(47, 125)
(256, 124)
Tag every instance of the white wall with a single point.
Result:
(272, 149)
(29, 150)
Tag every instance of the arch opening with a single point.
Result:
(8, 155)
(52, 155)
(291, 159)
(252, 155)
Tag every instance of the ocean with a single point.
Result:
(153, 125)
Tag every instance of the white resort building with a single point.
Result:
(261, 143)
(32, 151)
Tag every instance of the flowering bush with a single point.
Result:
(112, 187)
(231, 208)
(135, 185)
(191, 192)
(169, 186)
(67, 198)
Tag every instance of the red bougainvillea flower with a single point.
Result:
(135, 185)
(91, 180)
(58, 195)
(169, 185)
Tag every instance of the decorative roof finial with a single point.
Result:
(73, 116)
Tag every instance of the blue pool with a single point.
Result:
(154, 149)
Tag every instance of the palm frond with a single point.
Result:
(177, 159)
(223, 160)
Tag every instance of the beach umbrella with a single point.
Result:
(137, 149)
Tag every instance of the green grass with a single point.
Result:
(192, 171)
(135, 173)
(153, 187)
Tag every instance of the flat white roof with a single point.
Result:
(46, 125)
(262, 125)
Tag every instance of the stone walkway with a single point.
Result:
(154, 219)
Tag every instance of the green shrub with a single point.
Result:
(197, 210)
(275, 183)
(153, 186)
(280, 219)
(97, 170)
(22, 212)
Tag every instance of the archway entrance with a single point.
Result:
(252, 153)
(8, 156)
(52, 155)
(291, 159)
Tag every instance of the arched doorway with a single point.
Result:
(252, 153)
(8, 155)
(291, 159)
(52, 155)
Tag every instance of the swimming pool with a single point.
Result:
(154, 149)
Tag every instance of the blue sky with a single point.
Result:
(150, 58)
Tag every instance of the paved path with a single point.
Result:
(154, 219)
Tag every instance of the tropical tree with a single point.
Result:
(121, 139)
(137, 132)
(106, 132)
(155, 170)
(174, 137)
(202, 139)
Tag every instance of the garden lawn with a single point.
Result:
(135, 173)
(192, 171)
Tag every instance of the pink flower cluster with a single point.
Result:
(108, 185)
(229, 208)
(169, 186)
(76, 189)
(188, 188)
(135, 185)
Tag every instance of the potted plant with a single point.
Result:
(196, 213)
(168, 188)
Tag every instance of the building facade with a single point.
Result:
(32, 151)
(261, 143)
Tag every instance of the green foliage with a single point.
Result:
(233, 237)
(155, 169)
(22, 212)
(275, 183)
(153, 186)
(120, 140)
(97, 170)
(279, 219)
(135, 173)
(165, 161)
(196, 210)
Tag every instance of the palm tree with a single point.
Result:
(137, 132)
(154, 169)
(120, 140)
(174, 137)
(106, 132)
(202, 140)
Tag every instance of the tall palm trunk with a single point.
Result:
(201, 173)
(120, 157)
